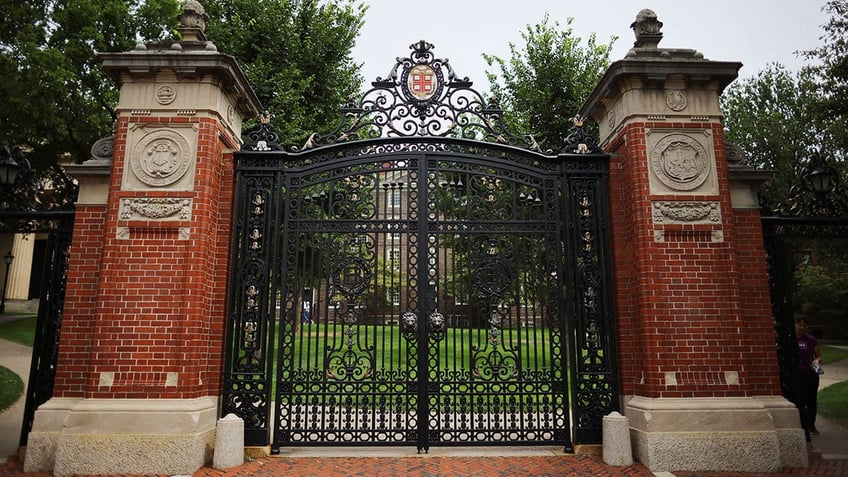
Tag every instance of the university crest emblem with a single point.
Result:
(422, 82)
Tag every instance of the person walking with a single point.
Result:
(809, 362)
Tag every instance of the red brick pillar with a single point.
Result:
(696, 343)
(140, 354)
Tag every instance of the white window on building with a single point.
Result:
(394, 296)
(394, 199)
(394, 259)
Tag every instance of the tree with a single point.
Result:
(58, 100)
(546, 81)
(772, 117)
(778, 117)
(830, 60)
(297, 55)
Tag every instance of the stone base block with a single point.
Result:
(122, 436)
(759, 434)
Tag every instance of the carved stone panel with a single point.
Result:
(683, 212)
(155, 209)
(681, 162)
(160, 157)
(668, 215)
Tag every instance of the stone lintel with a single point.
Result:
(755, 434)
(122, 436)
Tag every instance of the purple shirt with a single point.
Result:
(806, 352)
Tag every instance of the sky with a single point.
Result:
(753, 32)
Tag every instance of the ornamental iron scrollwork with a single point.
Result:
(35, 191)
(817, 208)
(351, 280)
(817, 192)
(247, 389)
(596, 383)
(422, 96)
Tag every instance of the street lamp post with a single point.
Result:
(8, 260)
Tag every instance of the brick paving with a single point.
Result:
(429, 466)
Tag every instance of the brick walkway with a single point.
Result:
(559, 466)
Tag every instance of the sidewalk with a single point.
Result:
(16, 357)
(435, 466)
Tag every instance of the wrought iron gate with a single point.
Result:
(42, 203)
(420, 289)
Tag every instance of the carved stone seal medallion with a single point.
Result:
(160, 158)
(680, 162)
(676, 100)
(166, 94)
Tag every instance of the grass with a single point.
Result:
(11, 388)
(20, 331)
(833, 403)
(831, 354)
(833, 400)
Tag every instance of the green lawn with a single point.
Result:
(11, 388)
(831, 354)
(20, 331)
(833, 402)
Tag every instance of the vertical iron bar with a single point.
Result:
(423, 304)
(45, 348)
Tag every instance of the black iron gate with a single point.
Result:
(816, 211)
(420, 289)
(41, 203)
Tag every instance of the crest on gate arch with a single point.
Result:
(422, 96)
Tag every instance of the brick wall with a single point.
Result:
(80, 301)
(149, 322)
(693, 312)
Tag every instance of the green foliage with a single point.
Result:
(771, 117)
(817, 283)
(830, 60)
(297, 55)
(821, 283)
(20, 331)
(57, 100)
(778, 116)
(545, 81)
(11, 388)
(833, 402)
(832, 355)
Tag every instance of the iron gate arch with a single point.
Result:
(420, 289)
